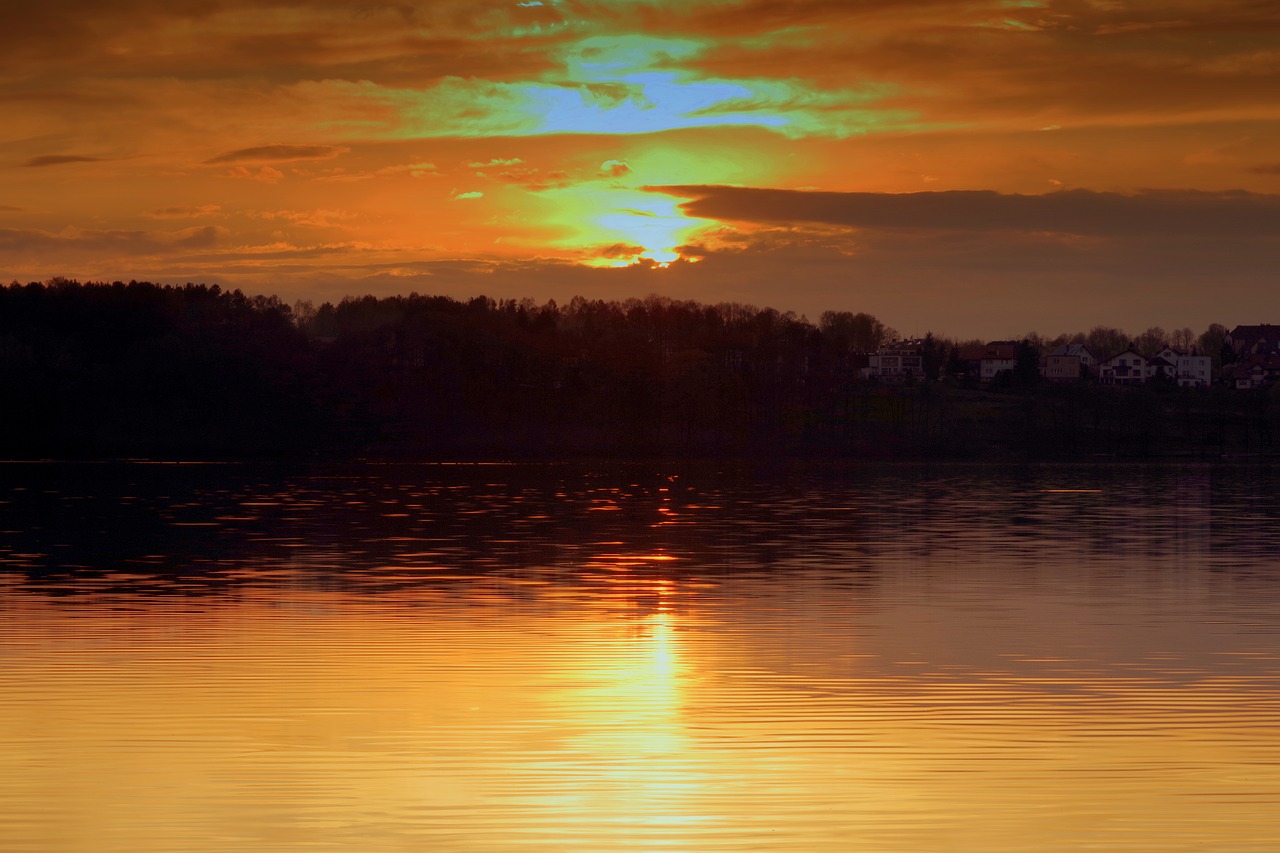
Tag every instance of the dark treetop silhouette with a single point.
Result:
(140, 369)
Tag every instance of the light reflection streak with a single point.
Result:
(601, 722)
(947, 691)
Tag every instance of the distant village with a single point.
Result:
(1249, 358)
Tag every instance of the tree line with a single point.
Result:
(143, 369)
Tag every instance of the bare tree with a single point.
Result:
(858, 332)
(1106, 341)
(1151, 341)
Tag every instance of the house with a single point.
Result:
(990, 360)
(1255, 371)
(1069, 363)
(1189, 371)
(900, 361)
(1161, 368)
(1127, 368)
(1251, 340)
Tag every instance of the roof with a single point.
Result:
(1129, 351)
(1260, 338)
(1079, 350)
(1267, 361)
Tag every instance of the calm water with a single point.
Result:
(557, 658)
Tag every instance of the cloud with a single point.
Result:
(1081, 212)
(991, 63)
(266, 174)
(451, 68)
(311, 218)
(497, 161)
(59, 160)
(614, 169)
(9, 208)
(619, 250)
(532, 178)
(184, 212)
(278, 154)
(277, 40)
(457, 196)
(420, 169)
(270, 252)
(44, 243)
(1266, 169)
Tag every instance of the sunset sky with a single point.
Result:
(981, 168)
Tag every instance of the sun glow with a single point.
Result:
(609, 225)
(654, 226)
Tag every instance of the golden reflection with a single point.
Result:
(620, 717)
(639, 671)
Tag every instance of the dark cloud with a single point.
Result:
(619, 250)
(994, 284)
(1266, 169)
(235, 257)
(59, 160)
(978, 63)
(278, 153)
(1080, 212)
(46, 244)
(9, 208)
(386, 42)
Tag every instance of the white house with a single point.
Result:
(899, 361)
(1127, 368)
(990, 360)
(1190, 371)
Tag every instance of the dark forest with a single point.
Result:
(136, 369)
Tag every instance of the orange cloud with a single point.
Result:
(81, 240)
(279, 153)
(59, 160)
(310, 218)
(181, 212)
(614, 169)
(265, 174)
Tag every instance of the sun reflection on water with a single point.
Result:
(788, 675)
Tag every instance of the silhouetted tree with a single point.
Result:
(1151, 341)
(1106, 341)
(1026, 367)
(1210, 343)
(850, 332)
(1182, 339)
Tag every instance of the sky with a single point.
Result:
(974, 168)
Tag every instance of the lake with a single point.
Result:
(680, 657)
